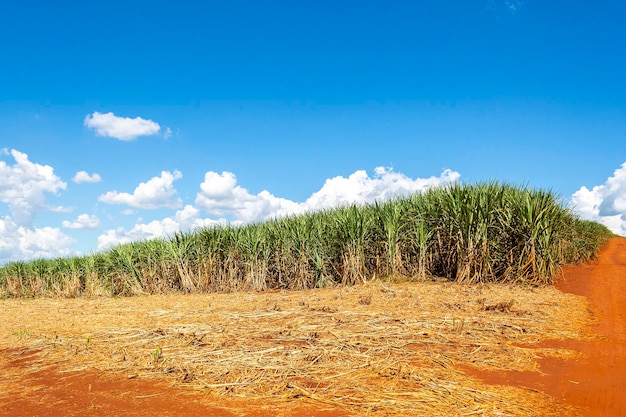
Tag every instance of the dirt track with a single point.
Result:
(594, 383)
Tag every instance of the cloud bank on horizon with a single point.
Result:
(219, 199)
(605, 203)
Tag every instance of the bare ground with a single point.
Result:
(595, 381)
(428, 348)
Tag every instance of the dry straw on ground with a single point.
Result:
(377, 349)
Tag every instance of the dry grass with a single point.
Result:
(377, 349)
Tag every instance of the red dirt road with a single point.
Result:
(594, 383)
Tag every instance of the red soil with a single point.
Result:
(594, 383)
(51, 393)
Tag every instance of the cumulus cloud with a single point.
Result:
(122, 128)
(83, 221)
(156, 192)
(184, 220)
(604, 203)
(225, 201)
(23, 243)
(221, 196)
(23, 186)
(359, 187)
(84, 176)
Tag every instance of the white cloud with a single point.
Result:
(84, 176)
(605, 203)
(224, 201)
(24, 243)
(83, 221)
(122, 128)
(361, 188)
(156, 192)
(167, 133)
(183, 220)
(23, 186)
(221, 196)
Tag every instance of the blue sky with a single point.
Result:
(136, 119)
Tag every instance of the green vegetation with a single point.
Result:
(488, 232)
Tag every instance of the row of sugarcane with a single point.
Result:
(486, 232)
